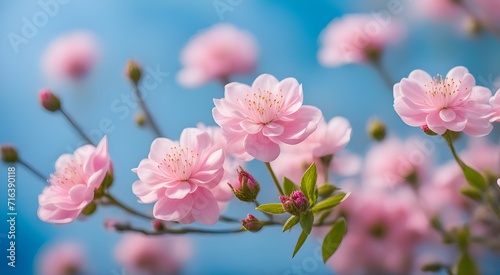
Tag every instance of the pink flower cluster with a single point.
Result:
(73, 184)
(216, 54)
(256, 120)
(452, 103)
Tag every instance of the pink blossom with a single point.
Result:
(486, 11)
(62, 259)
(178, 176)
(482, 155)
(394, 162)
(355, 38)
(141, 254)
(217, 53)
(73, 184)
(383, 239)
(71, 56)
(346, 164)
(495, 104)
(451, 103)
(438, 9)
(326, 140)
(256, 120)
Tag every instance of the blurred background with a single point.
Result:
(154, 33)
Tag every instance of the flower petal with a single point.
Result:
(173, 209)
(205, 208)
(447, 115)
(261, 147)
(179, 191)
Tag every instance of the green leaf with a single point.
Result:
(293, 220)
(466, 265)
(330, 202)
(326, 190)
(306, 221)
(473, 177)
(289, 186)
(308, 184)
(300, 242)
(333, 239)
(472, 193)
(271, 208)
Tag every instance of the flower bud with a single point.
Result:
(140, 119)
(9, 153)
(158, 225)
(427, 130)
(247, 187)
(296, 203)
(133, 71)
(376, 130)
(252, 224)
(110, 224)
(49, 100)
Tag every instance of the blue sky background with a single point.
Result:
(154, 33)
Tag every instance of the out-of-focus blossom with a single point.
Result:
(495, 104)
(438, 9)
(394, 162)
(327, 140)
(256, 120)
(73, 184)
(217, 53)
(384, 231)
(62, 259)
(178, 176)
(71, 56)
(356, 38)
(346, 164)
(450, 103)
(147, 255)
(484, 156)
(486, 11)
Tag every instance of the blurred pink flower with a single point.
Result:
(217, 53)
(451, 103)
(73, 184)
(438, 9)
(486, 11)
(355, 38)
(62, 259)
(484, 156)
(394, 162)
(256, 120)
(327, 139)
(495, 104)
(141, 254)
(178, 176)
(71, 56)
(384, 231)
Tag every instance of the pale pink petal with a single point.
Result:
(77, 192)
(173, 209)
(447, 115)
(145, 193)
(205, 208)
(272, 130)
(265, 82)
(261, 147)
(251, 127)
(179, 191)
(158, 148)
(458, 73)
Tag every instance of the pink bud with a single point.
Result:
(427, 130)
(247, 188)
(252, 224)
(49, 101)
(110, 224)
(158, 225)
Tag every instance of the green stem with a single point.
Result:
(115, 202)
(32, 170)
(78, 128)
(146, 112)
(276, 182)
(449, 141)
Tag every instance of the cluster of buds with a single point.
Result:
(295, 204)
(247, 187)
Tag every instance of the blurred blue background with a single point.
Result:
(154, 33)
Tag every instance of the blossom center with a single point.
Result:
(264, 105)
(179, 161)
(441, 92)
(69, 176)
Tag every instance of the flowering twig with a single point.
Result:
(125, 228)
(276, 182)
(78, 128)
(113, 201)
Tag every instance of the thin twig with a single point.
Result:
(78, 128)
(32, 170)
(115, 202)
(276, 182)
(146, 112)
